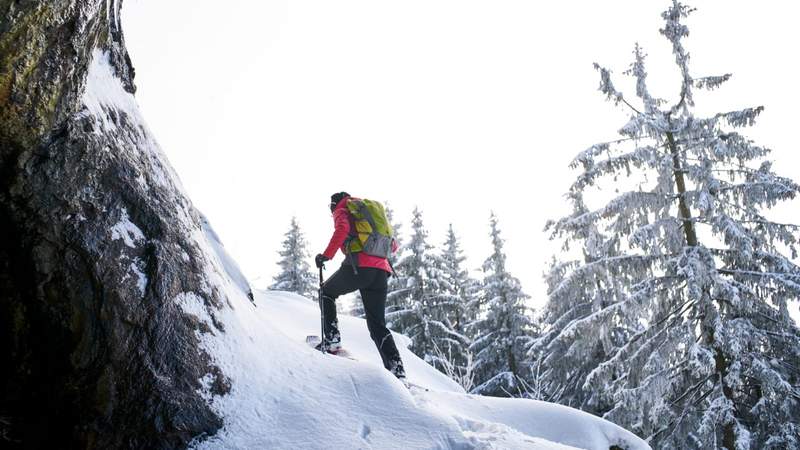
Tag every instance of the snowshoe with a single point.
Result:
(333, 348)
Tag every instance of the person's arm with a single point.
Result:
(341, 229)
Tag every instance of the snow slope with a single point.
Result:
(285, 395)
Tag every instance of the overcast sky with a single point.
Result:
(458, 107)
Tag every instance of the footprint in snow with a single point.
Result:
(365, 431)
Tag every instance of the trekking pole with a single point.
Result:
(322, 314)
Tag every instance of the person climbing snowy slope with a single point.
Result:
(362, 233)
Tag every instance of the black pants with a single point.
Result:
(372, 283)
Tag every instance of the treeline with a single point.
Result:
(668, 309)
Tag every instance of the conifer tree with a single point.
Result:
(449, 311)
(453, 309)
(394, 300)
(503, 334)
(458, 282)
(295, 275)
(675, 322)
(418, 288)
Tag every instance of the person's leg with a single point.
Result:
(374, 298)
(376, 332)
(343, 281)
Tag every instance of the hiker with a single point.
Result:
(359, 271)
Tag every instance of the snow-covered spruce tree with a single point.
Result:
(564, 357)
(398, 297)
(419, 286)
(451, 311)
(295, 275)
(677, 313)
(502, 336)
(458, 283)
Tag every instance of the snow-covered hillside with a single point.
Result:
(284, 394)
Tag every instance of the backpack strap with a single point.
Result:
(352, 257)
(353, 234)
(350, 254)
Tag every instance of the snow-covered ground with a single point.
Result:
(285, 395)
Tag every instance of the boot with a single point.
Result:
(329, 346)
(397, 369)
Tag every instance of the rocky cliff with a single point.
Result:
(97, 241)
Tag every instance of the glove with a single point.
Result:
(320, 259)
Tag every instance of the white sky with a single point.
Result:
(266, 108)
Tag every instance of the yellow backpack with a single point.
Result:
(373, 233)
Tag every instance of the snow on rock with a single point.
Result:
(96, 303)
(228, 265)
(115, 111)
(286, 395)
(141, 278)
(105, 95)
(126, 230)
(193, 305)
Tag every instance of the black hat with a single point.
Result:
(337, 197)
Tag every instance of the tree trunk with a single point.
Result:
(512, 362)
(680, 183)
(720, 362)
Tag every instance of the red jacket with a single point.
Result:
(342, 223)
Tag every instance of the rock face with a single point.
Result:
(97, 241)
